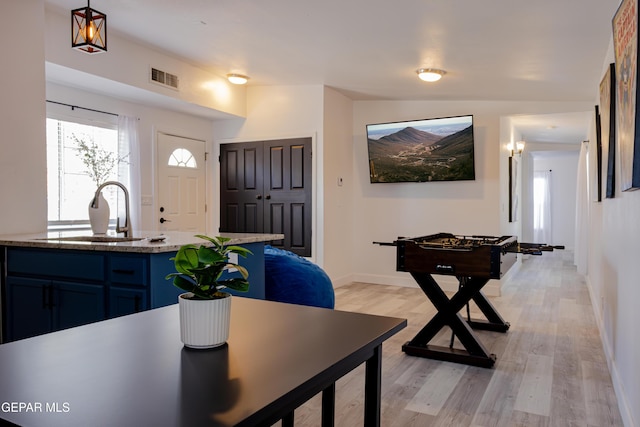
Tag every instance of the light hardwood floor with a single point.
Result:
(550, 368)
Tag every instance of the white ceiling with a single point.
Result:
(518, 50)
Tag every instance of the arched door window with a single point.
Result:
(182, 158)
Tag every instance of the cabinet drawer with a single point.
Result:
(128, 269)
(57, 263)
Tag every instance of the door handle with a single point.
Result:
(162, 220)
(268, 197)
(259, 196)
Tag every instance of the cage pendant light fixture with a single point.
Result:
(88, 30)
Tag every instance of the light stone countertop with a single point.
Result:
(171, 242)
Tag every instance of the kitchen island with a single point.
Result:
(54, 281)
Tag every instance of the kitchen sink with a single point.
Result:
(102, 239)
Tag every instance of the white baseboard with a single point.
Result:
(447, 283)
(618, 386)
(377, 279)
(341, 281)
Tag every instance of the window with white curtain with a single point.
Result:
(69, 187)
(542, 207)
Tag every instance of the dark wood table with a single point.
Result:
(134, 371)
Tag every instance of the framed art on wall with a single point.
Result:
(625, 46)
(608, 126)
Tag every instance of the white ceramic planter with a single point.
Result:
(99, 217)
(204, 323)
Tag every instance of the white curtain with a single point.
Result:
(129, 171)
(582, 212)
(542, 207)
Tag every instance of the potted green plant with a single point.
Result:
(205, 308)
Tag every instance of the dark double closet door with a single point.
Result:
(265, 187)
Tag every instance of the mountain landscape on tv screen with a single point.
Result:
(413, 155)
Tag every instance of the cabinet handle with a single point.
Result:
(259, 197)
(47, 296)
(128, 272)
(268, 197)
(51, 290)
(44, 297)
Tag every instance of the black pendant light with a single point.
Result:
(88, 30)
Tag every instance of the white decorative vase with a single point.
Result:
(99, 217)
(204, 323)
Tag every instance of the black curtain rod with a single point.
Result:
(73, 107)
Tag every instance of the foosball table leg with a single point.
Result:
(474, 352)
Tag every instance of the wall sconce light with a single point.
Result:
(430, 74)
(237, 79)
(88, 30)
(516, 148)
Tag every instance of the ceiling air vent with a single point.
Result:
(163, 78)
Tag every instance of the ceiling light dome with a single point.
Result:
(237, 79)
(430, 74)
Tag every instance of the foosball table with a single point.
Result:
(473, 260)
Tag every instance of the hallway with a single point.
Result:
(550, 369)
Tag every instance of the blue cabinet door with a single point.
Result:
(28, 307)
(123, 301)
(37, 306)
(76, 304)
(255, 265)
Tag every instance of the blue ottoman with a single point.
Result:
(293, 279)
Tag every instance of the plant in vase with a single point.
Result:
(100, 165)
(204, 307)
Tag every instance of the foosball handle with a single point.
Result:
(385, 243)
(531, 251)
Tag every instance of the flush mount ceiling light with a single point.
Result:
(88, 30)
(237, 79)
(430, 74)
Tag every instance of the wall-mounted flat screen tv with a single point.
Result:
(439, 149)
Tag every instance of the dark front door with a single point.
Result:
(241, 190)
(265, 187)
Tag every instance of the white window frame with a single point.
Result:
(88, 118)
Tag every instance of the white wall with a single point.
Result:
(338, 187)
(384, 212)
(23, 167)
(613, 279)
